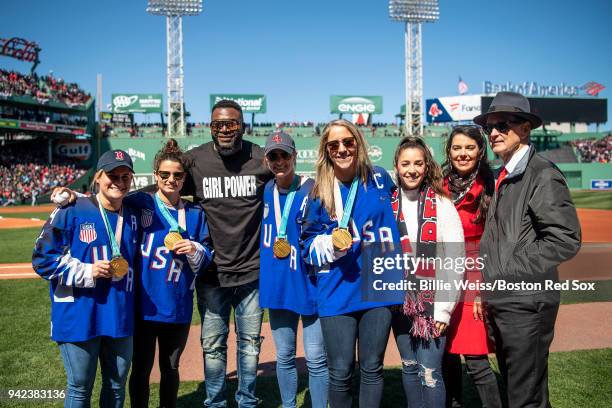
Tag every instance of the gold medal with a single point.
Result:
(341, 238)
(281, 248)
(171, 239)
(119, 266)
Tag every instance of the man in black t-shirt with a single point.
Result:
(227, 176)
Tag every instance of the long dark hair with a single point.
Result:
(458, 184)
(170, 151)
(433, 172)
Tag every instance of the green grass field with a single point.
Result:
(16, 245)
(34, 214)
(28, 359)
(601, 200)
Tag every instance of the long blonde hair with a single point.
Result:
(324, 180)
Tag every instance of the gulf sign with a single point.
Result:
(73, 149)
(355, 104)
(453, 108)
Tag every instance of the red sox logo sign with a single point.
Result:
(119, 155)
(434, 110)
(276, 138)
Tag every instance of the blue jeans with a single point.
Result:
(214, 304)
(340, 333)
(284, 325)
(81, 362)
(421, 365)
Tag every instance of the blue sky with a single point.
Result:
(299, 53)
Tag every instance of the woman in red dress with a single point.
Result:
(470, 183)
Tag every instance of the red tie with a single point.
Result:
(502, 175)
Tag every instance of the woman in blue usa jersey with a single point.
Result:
(349, 207)
(86, 251)
(175, 246)
(284, 284)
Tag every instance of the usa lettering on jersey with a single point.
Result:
(229, 186)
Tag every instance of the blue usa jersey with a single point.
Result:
(284, 283)
(339, 277)
(71, 241)
(166, 280)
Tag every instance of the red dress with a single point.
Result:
(466, 335)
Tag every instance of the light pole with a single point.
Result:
(413, 13)
(174, 10)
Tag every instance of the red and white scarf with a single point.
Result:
(419, 304)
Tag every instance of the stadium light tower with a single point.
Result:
(413, 13)
(174, 10)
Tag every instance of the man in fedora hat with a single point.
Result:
(531, 227)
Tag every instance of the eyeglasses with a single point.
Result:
(502, 127)
(165, 175)
(274, 156)
(334, 145)
(119, 178)
(231, 126)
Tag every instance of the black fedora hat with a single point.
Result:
(510, 102)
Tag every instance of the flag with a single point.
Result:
(593, 88)
(462, 87)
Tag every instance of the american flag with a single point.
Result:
(593, 88)
(87, 233)
(462, 87)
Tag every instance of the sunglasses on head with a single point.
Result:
(334, 145)
(165, 175)
(230, 125)
(502, 127)
(274, 156)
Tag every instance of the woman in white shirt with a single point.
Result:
(431, 231)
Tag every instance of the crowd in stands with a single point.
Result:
(42, 88)
(25, 176)
(595, 150)
(32, 115)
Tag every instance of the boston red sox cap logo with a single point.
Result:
(119, 155)
(277, 138)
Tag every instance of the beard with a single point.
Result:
(228, 149)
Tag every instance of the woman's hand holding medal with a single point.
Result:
(101, 269)
(184, 246)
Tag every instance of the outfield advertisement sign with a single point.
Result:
(73, 149)
(248, 103)
(601, 184)
(453, 108)
(137, 103)
(355, 104)
(41, 127)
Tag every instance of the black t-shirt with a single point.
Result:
(230, 190)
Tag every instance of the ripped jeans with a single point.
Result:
(214, 304)
(421, 365)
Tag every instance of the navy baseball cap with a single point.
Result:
(114, 158)
(280, 140)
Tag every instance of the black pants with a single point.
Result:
(523, 329)
(340, 333)
(172, 339)
(479, 370)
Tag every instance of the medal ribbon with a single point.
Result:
(348, 207)
(115, 239)
(282, 230)
(174, 226)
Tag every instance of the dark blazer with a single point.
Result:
(531, 226)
